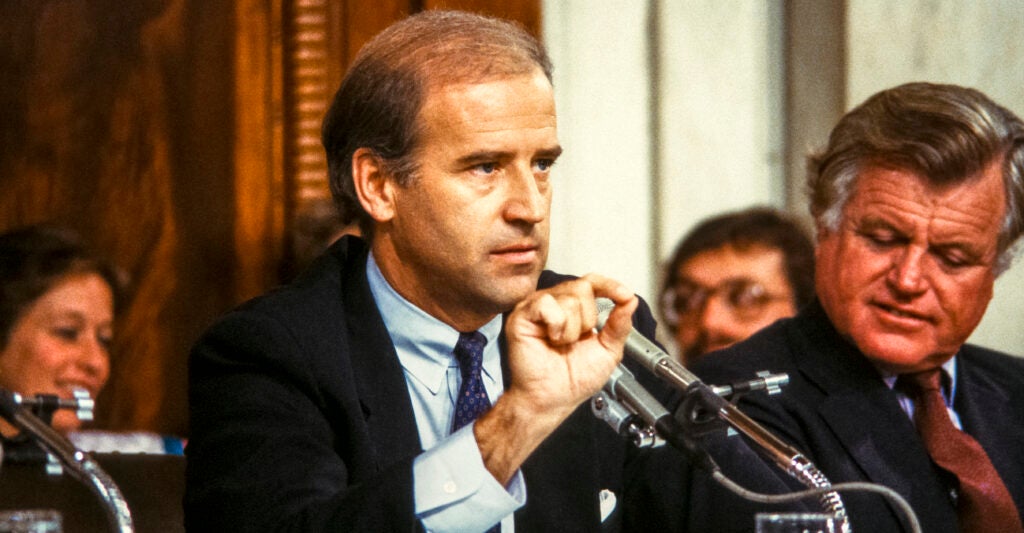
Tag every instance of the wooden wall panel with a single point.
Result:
(88, 143)
(182, 137)
(362, 20)
(259, 179)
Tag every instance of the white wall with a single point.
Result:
(664, 128)
(601, 213)
(622, 200)
(978, 44)
(721, 112)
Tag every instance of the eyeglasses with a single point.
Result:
(745, 298)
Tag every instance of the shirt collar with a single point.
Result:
(948, 382)
(425, 344)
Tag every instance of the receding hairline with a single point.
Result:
(463, 47)
(433, 87)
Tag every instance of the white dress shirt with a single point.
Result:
(907, 404)
(453, 491)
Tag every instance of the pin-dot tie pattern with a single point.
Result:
(472, 401)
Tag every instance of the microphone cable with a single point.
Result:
(700, 401)
(851, 486)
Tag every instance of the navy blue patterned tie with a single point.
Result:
(472, 401)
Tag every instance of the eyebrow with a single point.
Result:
(75, 315)
(550, 153)
(479, 157)
(876, 222)
(495, 155)
(66, 313)
(731, 280)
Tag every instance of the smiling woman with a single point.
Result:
(57, 304)
(57, 308)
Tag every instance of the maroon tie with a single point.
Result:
(983, 503)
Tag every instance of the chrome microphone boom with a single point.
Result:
(701, 400)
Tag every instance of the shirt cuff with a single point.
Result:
(455, 492)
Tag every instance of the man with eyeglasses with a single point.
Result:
(734, 274)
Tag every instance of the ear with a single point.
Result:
(374, 188)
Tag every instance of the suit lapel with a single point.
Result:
(379, 377)
(560, 479)
(883, 449)
(986, 410)
(864, 413)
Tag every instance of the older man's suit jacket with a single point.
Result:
(301, 421)
(838, 411)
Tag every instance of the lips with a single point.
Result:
(903, 314)
(525, 252)
(516, 248)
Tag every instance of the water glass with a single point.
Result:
(31, 521)
(795, 523)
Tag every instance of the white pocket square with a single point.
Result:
(607, 500)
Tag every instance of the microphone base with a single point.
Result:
(698, 412)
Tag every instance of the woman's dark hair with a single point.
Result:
(34, 259)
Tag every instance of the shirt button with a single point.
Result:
(449, 487)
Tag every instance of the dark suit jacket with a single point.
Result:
(841, 415)
(301, 421)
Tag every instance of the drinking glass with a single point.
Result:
(30, 521)
(795, 523)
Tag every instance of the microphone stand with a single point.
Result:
(702, 408)
(635, 414)
(80, 464)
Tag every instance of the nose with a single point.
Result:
(717, 322)
(528, 199)
(94, 359)
(906, 275)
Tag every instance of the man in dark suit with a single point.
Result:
(917, 199)
(346, 401)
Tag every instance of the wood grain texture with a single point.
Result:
(182, 138)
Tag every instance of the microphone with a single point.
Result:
(647, 353)
(80, 464)
(700, 395)
(700, 399)
(623, 397)
(622, 400)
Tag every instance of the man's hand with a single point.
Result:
(557, 362)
